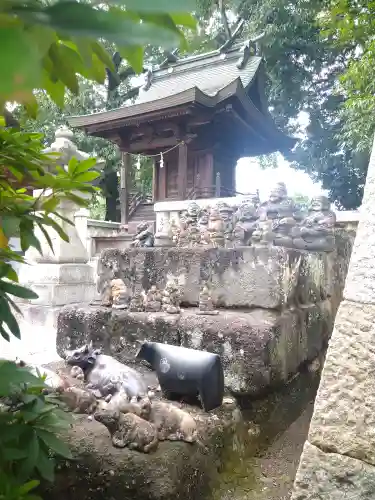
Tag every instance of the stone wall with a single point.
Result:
(276, 308)
(338, 460)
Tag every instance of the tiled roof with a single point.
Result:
(199, 78)
(209, 74)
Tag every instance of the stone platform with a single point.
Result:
(243, 277)
(259, 348)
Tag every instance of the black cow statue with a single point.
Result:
(186, 372)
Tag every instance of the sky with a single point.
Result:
(250, 177)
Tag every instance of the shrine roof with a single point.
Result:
(206, 79)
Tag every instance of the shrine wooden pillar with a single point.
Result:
(182, 170)
(124, 188)
(155, 181)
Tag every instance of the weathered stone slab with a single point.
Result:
(246, 277)
(115, 332)
(329, 476)
(344, 417)
(259, 348)
(175, 471)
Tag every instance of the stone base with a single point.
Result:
(259, 349)
(175, 470)
(331, 476)
(59, 284)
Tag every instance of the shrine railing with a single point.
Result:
(136, 199)
(215, 191)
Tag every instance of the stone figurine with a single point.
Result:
(129, 430)
(216, 228)
(206, 306)
(246, 223)
(282, 232)
(263, 234)
(119, 294)
(153, 300)
(171, 297)
(144, 236)
(316, 231)
(105, 375)
(227, 216)
(170, 422)
(78, 400)
(203, 227)
(278, 206)
(137, 302)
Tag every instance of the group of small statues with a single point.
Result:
(275, 222)
(168, 300)
(117, 396)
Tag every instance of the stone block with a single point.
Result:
(329, 476)
(175, 470)
(344, 417)
(113, 331)
(258, 348)
(59, 284)
(246, 277)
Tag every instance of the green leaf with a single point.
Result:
(54, 444)
(116, 26)
(17, 290)
(10, 225)
(47, 237)
(102, 55)
(27, 487)
(134, 56)
(46, 466)
(55, 89)
(86, 176)
(11, 454)
(22, 62)
(8, 318)
(5, 336)
(32, 448)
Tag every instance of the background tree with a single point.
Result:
(303, 67)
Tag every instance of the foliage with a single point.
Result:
(29, 422)
(350, 26)
(46, 49)
(303, 68)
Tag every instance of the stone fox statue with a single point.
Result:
(129, 430)
(105, 375)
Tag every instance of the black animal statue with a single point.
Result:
(186, 372)
(105, 375)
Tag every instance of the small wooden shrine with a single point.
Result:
(196, 116)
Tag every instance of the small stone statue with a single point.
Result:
(282, 231)
(203, 227)
(317, 229)
(278, 205)
(129, 430)
(216, 228)
(246, 224)
(153, 300)
(144, 236)
(171, 298)
(78, 400)
(182, 236)
(263, 234)
(193, 234)
(227, 216)
(170, 422)
(137, 302)
(206, 306)
(119, 294)
(174, 231)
